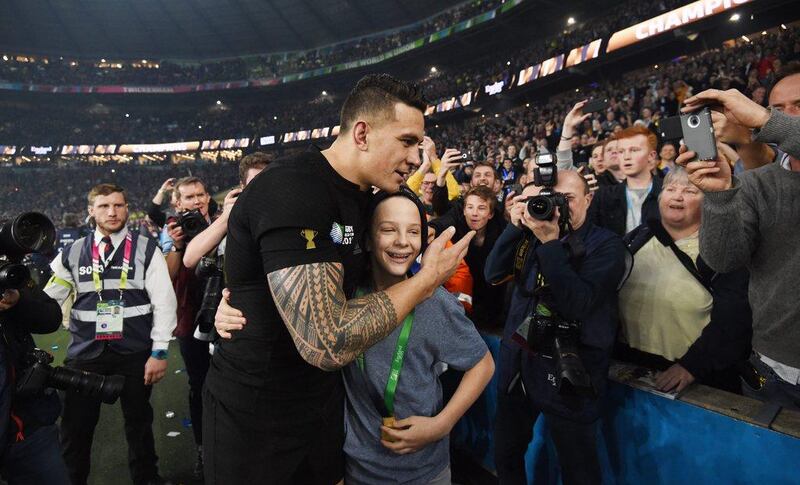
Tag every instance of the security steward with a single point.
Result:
(121, 323)
(565, 275)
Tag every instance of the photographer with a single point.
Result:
(191, 203)
(29, 448)
(566, 270)
(208, 240)
(121, 324)
(205, 253)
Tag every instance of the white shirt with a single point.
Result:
(788, 374)
(157, 284)
(116, 240)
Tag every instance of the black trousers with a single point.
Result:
(81, 413)
(248, 444)
(196, 358)
(576, 443)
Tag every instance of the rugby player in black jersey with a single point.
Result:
(274, 397)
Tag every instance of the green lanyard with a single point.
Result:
(397, 361)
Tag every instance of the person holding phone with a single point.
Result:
(751, 220)
(158, 216)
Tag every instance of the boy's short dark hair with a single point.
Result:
(377, 94)
(484, 193)
(258, 160)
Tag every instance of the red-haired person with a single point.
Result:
(620, 208)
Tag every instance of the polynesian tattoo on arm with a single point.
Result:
(329, 330)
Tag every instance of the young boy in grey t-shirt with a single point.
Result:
(415, 449)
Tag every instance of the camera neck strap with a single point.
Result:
(98, 269)
(575, 248)
(385, 406)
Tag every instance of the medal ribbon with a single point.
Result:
(397, 362)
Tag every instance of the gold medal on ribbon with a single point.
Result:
(389, 423)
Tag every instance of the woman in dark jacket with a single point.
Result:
(677, 314)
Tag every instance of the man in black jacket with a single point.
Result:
(478, 212)
(570, 279)
(29, 448)
(621, 208)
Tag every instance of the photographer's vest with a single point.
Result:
(137, 312)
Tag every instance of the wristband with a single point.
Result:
(159, 354)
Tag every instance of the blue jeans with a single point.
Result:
(35, 460)
(775, 389)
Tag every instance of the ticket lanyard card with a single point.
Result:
(109, 320)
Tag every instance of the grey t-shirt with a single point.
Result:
(441, 333)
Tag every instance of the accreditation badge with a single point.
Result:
(109, 320)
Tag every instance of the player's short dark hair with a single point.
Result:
(258, 160)
(376, 95)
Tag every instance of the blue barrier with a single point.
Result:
(648, 439)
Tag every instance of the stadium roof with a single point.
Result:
(197, 29)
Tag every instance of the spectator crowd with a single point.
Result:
(53, 124)
(63, 71)
(644, 96)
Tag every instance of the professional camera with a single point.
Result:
(38, 374)
(192, 222)
(209, 269)
(543, 206)
(549, 335)
(27, 233)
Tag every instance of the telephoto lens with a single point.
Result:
(13, 276)
(106, 388)
(29, 232)
(571, 378)
(37, 375)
